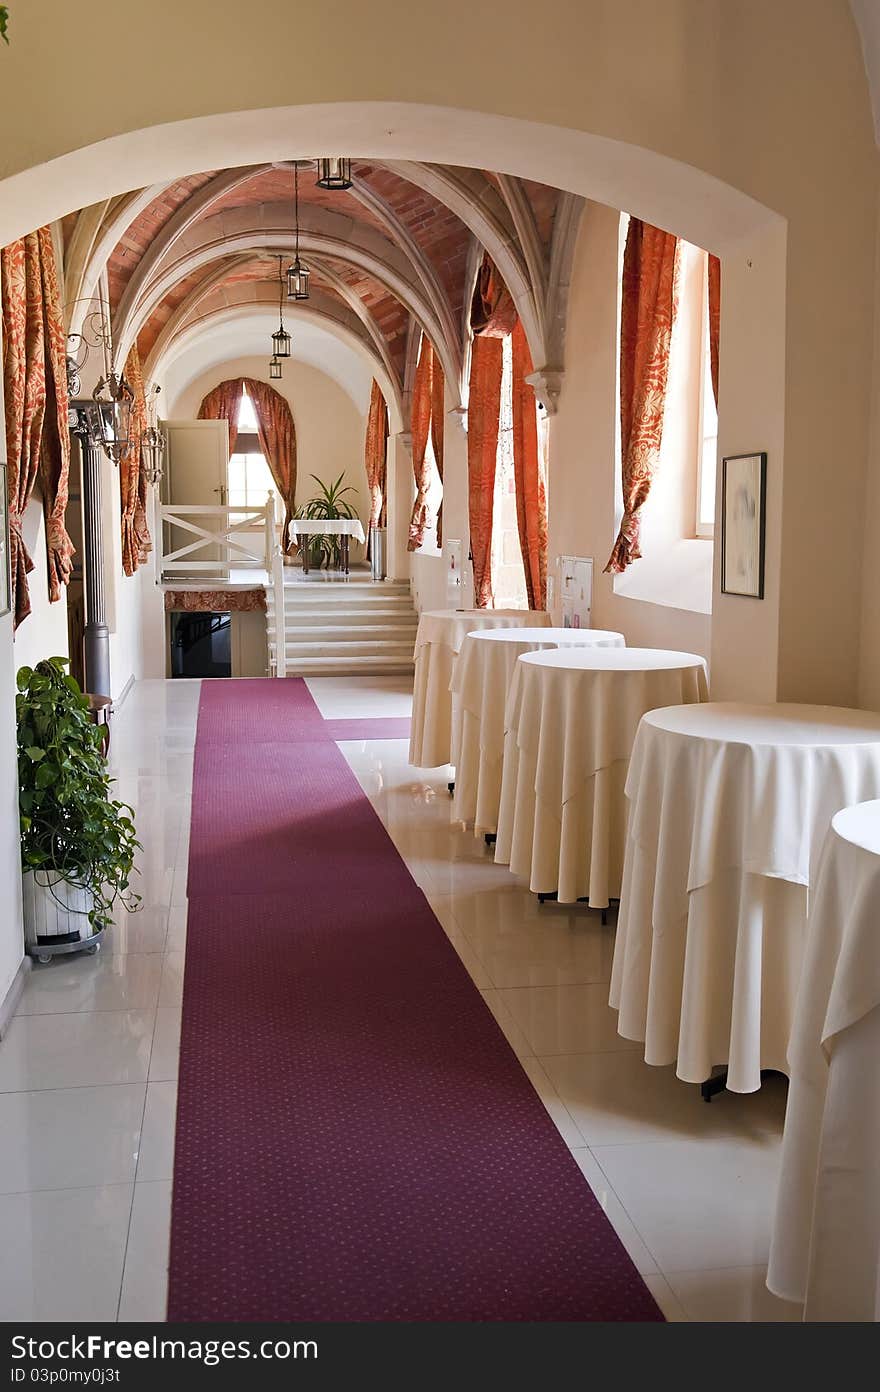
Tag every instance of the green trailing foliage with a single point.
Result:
(70, 825)
(329, 504)
(4, 23)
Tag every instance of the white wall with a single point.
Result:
(427, 571)
(44, 632)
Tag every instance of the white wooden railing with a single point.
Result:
(241, 538)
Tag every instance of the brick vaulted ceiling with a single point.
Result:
(396, 252)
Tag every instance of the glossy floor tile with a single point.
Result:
(88, 1069)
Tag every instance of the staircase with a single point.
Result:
(354, 628)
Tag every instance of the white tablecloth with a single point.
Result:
(826, 1240)
(330, 526)
(440, 635)
(571, 719)
(480, 684)
(729, 808)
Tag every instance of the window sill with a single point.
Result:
(679, 577)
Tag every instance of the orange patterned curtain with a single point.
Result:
(438, 421)
(278, 442)
(531, 492)
(647, 311)
(223, 403)
(35, 389)
(420, 420)
(493, 316)
(135, 537)
(714, 320)
(375, 454)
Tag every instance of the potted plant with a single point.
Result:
(329, 504)
(77, 844)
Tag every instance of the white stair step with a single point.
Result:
(356, 633)
(385, 648)
(345, 666)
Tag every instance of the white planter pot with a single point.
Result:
(54, 908)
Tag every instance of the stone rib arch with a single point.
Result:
(277, 240)
(215, 279)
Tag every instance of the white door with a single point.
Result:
(198, 460)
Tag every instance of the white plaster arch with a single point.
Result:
(217, 274)
(261, 318)
(278, 240)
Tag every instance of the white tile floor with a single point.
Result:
(88, 1068)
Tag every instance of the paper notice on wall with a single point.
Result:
(452, 552)
(576, 590)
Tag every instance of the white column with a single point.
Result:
(400, 490)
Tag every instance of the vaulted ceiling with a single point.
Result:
(395, 254)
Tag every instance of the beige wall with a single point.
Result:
(330, 428)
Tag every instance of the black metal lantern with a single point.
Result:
(280, 338)
(281, 343)
(334, 173)
(298, 280)
(297, 273)
(275, 370)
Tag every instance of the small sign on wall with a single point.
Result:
(576, 590)
(452, 553)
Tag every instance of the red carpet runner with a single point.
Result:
(355, 1138)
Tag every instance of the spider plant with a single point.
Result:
(329, 504)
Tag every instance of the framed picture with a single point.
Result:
(5, 578)
(743, 507)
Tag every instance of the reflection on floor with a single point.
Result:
(88, 1068)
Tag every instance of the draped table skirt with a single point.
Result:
(728, 810)
(483, 674)
(825, 1252)
(571, 719)
(440, 635)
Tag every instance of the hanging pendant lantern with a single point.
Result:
(297, 273)
(280, 338)
(334, 173)
(297, 280)
(281, 343)
(275, 370)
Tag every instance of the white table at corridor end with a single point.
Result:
(571, 719)
(729, 806)
(440, 635)
(481, 681)
(825, 1252)
(343, 527)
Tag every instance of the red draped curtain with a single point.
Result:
(275, 429)
(36, 407)
(278, 443)
(493, 316)
(714, 319)
(531, 491)
(375, 456)
(420, 423)
(426, 415)
(647, 311)
(136, 543)
(224, 403)
(438, 420)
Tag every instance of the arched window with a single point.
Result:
(249, 478)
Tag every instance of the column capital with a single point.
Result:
(546, 382)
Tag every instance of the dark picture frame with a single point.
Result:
(743, 524)
(5, 573)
